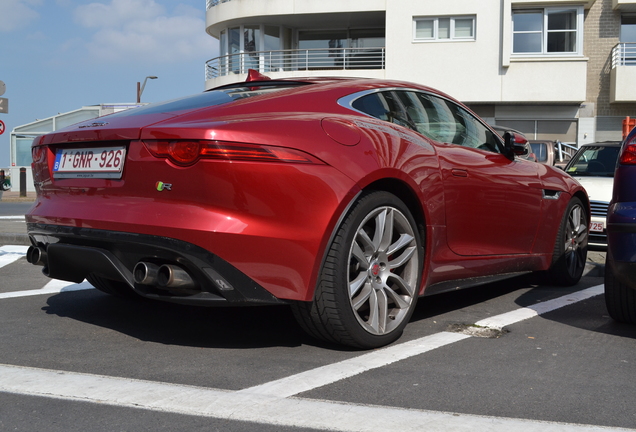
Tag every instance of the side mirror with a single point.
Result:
(515, 145)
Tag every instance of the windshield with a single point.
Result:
(597, 161)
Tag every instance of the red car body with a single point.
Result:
(251, 217)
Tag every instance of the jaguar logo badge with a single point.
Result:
(161, 186)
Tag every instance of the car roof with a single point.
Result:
(352, 84)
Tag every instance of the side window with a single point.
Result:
(374, 105)
(383, 106)
(447, 122)
(475, 135)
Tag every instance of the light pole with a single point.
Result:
(140, 89)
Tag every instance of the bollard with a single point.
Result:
(23, 182)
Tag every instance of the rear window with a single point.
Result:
(207, 99)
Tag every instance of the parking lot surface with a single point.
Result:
(516, 355)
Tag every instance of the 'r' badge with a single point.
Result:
(161, 186)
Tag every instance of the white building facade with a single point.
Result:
(553, 69)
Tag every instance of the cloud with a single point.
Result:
(143, 30)
(17, 14)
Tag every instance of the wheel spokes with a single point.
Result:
(383, 272)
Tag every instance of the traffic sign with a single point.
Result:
(3, 88)
(1, 127)
(4, 105)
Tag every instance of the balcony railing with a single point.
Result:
(296, 60)
(624, 54)
(212, 3)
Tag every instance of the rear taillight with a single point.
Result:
(38, 153)
(187, 152)
(628, 153)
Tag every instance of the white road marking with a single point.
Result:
(324, 375)
(500, 321)
(236, 406)
(12, 217)
(10, 254)
(328, 374)
(53, 287)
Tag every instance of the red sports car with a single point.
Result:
(346, 198)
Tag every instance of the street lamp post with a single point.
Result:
(140, 88)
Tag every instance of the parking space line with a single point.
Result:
(53, 287)
(10, 254)
(334, 372)
(500, 321)
(328, 374)
(236, 406)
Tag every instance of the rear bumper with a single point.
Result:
(72, 253)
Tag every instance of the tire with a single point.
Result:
(114, 288)
(570, 248)
(620, 299)
(369, 283)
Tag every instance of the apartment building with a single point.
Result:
(553, 69)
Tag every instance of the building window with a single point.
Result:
(547, 31)
(444, 29)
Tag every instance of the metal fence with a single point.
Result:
(624, 54)
(296, 60)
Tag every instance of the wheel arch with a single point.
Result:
(585, 200)
(395, 186)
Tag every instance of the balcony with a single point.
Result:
(623, 73)
(315, 59)
(212, 3)
(624, 5)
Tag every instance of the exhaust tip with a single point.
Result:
(36, 256)
(170, 276)
(145, 273)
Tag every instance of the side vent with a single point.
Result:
(551, 194)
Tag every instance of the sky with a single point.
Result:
(60, 55)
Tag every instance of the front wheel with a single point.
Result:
(570, 249)
(369, 282)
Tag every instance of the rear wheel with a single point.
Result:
(369, 282)
(108, 286)
(620, 299)
(570, 249)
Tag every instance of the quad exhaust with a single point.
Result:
(164, 276)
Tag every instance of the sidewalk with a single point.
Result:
(14, 196)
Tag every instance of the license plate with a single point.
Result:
(101, 162)
(597, 226)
